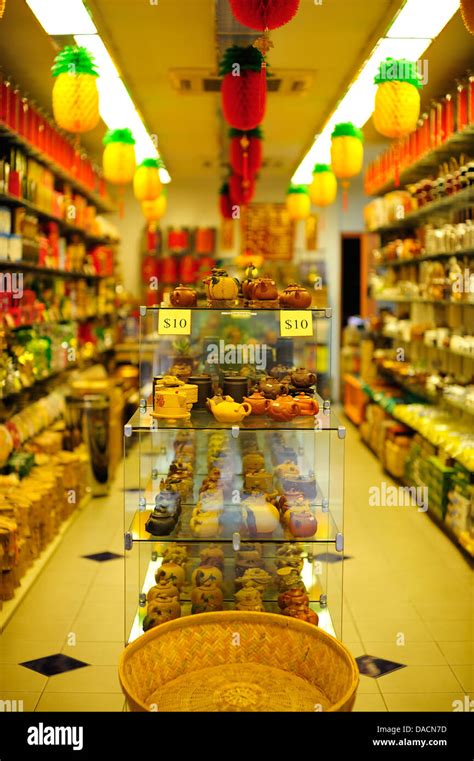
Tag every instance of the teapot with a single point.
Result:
(220, 286)
(170, 403)
(251, 273)
(229, 411)
(306, 403)
(183, 296)
(271, 387)
(264, 289)
(295, 297)
(283, 408)
(281, 372)
(303, 378)
(258, 402)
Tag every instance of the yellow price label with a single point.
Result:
(174, 322)
(296, 323)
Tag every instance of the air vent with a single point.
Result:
(200, 81)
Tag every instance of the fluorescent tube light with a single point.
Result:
(60, 17)
(164, 176)
(403, 40)
(94, 44)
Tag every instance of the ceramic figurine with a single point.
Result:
(259, 480)
(229, 411)
(295, 485)
(162, 521)
(283, 408)
(255, 578)
(221, 287)
(161, 610)
(251, 274)
(183, 296)
(300, 521)
(208, 597)
(204, 573)
(205, 524)
(293, 597)
(171, 572)
(295, 297)
(211, 499)
(253, 461)
(212, 555)
(302, 378)
(249, 556)
(288, 578)
(164, 588)
(262, 517)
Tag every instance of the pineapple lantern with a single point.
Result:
(146, 182)
(323, 189)
(75, 93)
(347, 153)
(118, 160)
(154, 210)
(397, 100)
(298, 202)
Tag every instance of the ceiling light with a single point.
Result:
(60, 17)
(164, 176)
(417, 17)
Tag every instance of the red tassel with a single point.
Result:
(121, 199)
(254, 155)
(264, 14)
(345, 195)
(241, 191)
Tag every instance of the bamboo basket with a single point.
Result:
(238, 661)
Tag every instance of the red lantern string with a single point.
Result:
(244, 142)
(345, 195)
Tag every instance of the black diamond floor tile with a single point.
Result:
(51, 665)
(101, 557)
(370, 665)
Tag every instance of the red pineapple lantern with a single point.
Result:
(225, 203)
(245, 151)
(244, 87)
(241, 191)
(264, 14)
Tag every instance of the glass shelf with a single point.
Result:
(203, 420)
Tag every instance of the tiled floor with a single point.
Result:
(408, 598)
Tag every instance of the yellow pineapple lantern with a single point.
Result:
(323, 189)
(397, 100)
(146, 182)
(298, 202)
(118, 160)
(347, 153)
(75, 93)
(154, 210)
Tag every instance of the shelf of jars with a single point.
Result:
(459, 201)
(27, 266)
(459, 253)
(233, 490)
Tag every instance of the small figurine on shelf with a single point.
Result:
(254, 578)
(295, 297)
(249, 556)
(249, 599)
(212, 555)
(164, 588)
(160, 610)
(206, 598)
(205, 573)
(229, 411)
(164, 518)
(221, 290)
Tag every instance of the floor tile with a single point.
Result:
(51, 665)
(388, 630)
(91, 679)
(83, 701)
(438, 701)
(45, 629)
(88, 630)
(452, 631)
(465, 674)
(420, 679)
(458, 653)
(96, 653)
(18, 679)
(369, 703)
(412, 654)
(446, 611)
(14, 650)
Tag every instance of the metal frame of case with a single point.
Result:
(316, 441)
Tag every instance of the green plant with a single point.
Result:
(182, 347)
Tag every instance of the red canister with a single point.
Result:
(178, 240)
(205, 240)
(187, 269)
(169, 270)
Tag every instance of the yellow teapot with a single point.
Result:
(229, 411)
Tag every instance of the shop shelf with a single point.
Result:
(400, 300)
(428, 164)
(458, 201)
(103, 205)
(65, 226)
(24, 266)
(382, 265)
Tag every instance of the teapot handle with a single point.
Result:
(247, 408)
(176, 298)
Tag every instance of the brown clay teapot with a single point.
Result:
(303, 378)
(295, 297)
(307, 404)
(183, 296)
(264, 289)
(283, 408)
(258, 402)
(251, 273)
(281, 372)
(271, 387)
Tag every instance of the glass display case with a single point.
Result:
(234, 468)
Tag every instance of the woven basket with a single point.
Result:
(236, 661)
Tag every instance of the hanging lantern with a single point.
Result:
(241, 191)
(245, 152)
(244, 87)
(264, 14)
(298, 202)
(75, 93)
(397, 100)
(118, 160)
(347, 151)
(323, 189)
(225, 203)
(154, 210)
(146, 181)
(467, 13)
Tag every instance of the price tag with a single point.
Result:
(296, 323)
(174, 322)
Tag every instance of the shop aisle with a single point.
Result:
(408, 600)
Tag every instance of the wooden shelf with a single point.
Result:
(399, 300)
(457, 201)
(102, 204)
(35, 268)
(424, 258)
